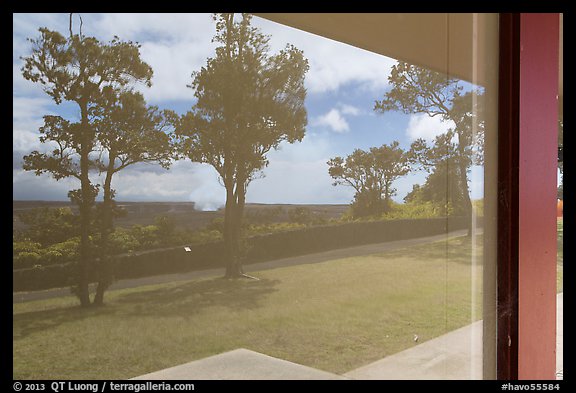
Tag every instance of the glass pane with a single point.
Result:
(275, 196)
(560, 217)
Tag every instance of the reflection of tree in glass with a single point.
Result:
(443, 185)
(419, 90)
(128, 133)
(47, 225)
(371, 174)
(248, 103)
(78, 69)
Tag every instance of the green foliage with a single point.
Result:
(371, 174)
(26, 253)
(64, 252)
(217, 225)
(300, 215)
(27, 245)
(166, 228)
(368, 203)
(202, 237)
(263, 216)
(413, 210)
(288, 239)
(82, 70)
(478, 206)
(253, 230)
(30, 254)
(147, 235)
(417, 89)
(443, 189)
(88, 73)
(122, 240)
(47, 225)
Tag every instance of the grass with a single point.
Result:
(334, 316)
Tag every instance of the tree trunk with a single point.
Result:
(233, 229)
(463, 180)
(85, 211)
(238, 231)
(105, 276)
(467, 201)
(229, 216)
(232, 244)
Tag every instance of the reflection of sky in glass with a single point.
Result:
(343, 82)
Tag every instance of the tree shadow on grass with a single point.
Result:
(183, 300)
(25, 324)
(189, 298)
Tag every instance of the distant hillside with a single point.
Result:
(183, 213)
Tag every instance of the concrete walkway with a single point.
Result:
(19, 297)
(452, 356)
(240, 364)
(455, 355)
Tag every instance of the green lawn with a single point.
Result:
(334, 316)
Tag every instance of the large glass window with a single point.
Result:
(235, 196)
(560, 216)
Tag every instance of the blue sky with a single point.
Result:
(343, 82)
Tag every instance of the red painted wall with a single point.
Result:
(537, 189)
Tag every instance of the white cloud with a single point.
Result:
(29, 107)
(349, 110)
(173, 65)
(177, 44)
(166, 27)
(298, 173)
(174, 45)
(27, 24)
(26, 185)
(21, 86)
(27, 115)
(135, 186)
(182, 43)
(426, 127)
(151, 182)
(332, 63)
(334, 120)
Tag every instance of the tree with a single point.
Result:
(443, 185)
(77, 69)
(48, 226)
(248, 102)
(371, 174)
(128, 132)
(419, 90)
